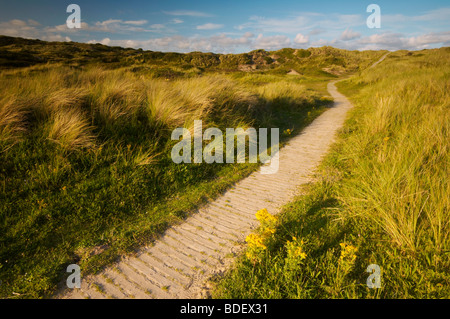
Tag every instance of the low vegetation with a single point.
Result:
(381, 198)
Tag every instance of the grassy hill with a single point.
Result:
(19, 52)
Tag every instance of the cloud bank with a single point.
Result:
(302, 30)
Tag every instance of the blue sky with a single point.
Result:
(233, 26)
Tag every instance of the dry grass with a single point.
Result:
(282, 90)
(70, 128)
(115, 97)
(12, 120)
(401, 152)
(75, 104)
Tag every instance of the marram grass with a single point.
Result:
(382, 197)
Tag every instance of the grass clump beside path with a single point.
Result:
(382, 197)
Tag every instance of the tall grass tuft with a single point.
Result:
(70, 129)
(116, 97)
(12, 115)
(400, 152)
(164, 108)
(283, 93)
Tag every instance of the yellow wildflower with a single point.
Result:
(255, 241)
(265, 217)
(348, 253)
(267, 232)
(295, 253)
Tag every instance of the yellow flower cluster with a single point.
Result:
(287, 132)
(265, 218)
(348, 253)
(257, 242)
(295, 249)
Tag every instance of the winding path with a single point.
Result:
(179, 263)
(381, 59)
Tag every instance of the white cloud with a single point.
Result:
(56, 37)
(397, 41)
(189, 13)
(64, 28)
(108, 22)
(273, 42)
(108, 26)
(220, 43)
(209, 26)
(111, 25)
(431, 38)
(224, 42)
(322, 42)
(19, 28)
(136, 22)
(118, 26)
(105, 41)
(33, 22)
(349, 34)
(301, 39)
(177, 21)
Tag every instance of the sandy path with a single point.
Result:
(381, 59)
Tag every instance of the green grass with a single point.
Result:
(383, 190)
